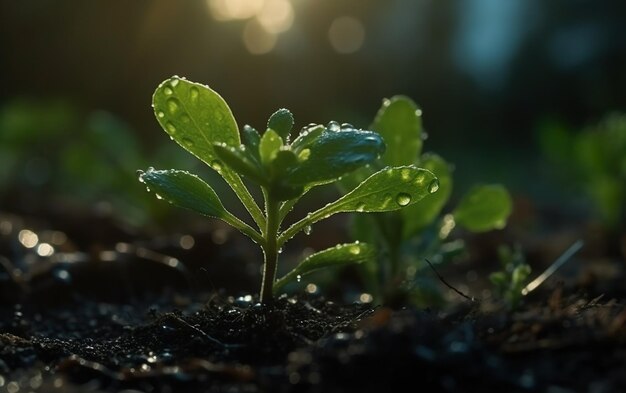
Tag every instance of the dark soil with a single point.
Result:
(124, 317)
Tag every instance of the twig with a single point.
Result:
(573, 249)
(471, 299)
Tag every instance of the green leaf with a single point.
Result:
(400, 124)
(484, 208)
(269, 146)
(188, 191)
(240, 160)
(281, 121)
(185, 190)
(340, 255)
(251, 139)
(386, 190)
(420, 215)
(335, 153)
(195, 116)
(306, 137)
(284, 161)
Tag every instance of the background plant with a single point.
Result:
(199, 120)
(595, 160)
(513, 276)
(421, 230)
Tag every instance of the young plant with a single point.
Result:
(199, 120)
(419, 231)
(509, 282)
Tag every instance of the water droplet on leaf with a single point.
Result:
(168, 91)
(193, 92)
(187, 142)
(216, 165)
(403, 199)
(170, 127)
(304, 154)
(298, 278)
(334, 126)
(174, 82)
(173, 105)
(433, 186)
(360, 207)
(308, 229)
(160, 114)
(355, 250)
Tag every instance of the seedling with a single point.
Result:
(421, 230)
(199, 120)
(509, 282)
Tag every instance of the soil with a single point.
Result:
(110, 312)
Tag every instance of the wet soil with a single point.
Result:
(119, 314)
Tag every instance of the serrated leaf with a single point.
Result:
(185, 190)
(269, 146)
(340, 255)
(281, 121)
(484, 208)
(335, 153)
(400, 124)
(386, 190)
(420, 215)
(240, 160)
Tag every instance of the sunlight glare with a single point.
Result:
(225, 10)
(276, 16)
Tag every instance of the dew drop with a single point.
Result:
(298, 278)
(217, 165)
(386, 102)
(433, 186)
(403, 199)
(304, 154)
(308, 229)
(334, 126)
(159, 196)
(160, 114)
(174, 82)
(168, 91)
(406, 174)
(347, 126)
(280, 250)
(171, 128)
(187, 142)
(418, 112)
(173, 105)
(360, 207)
(193, 92)
(355, 250)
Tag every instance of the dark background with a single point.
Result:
(487, 73)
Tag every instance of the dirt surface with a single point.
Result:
(115, 315)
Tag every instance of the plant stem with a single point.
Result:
(270, 248)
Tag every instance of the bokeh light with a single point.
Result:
(346, 34)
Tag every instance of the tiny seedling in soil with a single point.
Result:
(509, 282)
(199, 120)
(421, 230)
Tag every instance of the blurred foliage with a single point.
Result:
(512, 278)
(594, 161)
(51, 149)
(421, 230)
